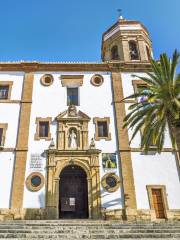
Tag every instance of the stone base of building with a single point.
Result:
(141, 215)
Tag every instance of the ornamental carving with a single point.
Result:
(72, 130)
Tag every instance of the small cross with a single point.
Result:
(119, 12)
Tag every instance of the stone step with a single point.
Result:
(90, 236)
(100, 239)
(61, 227)
(102, 231)
(85, 222)
(72, 230)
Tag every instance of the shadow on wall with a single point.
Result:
(111, 203)
(37, 213)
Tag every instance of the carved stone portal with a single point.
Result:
(73, 149)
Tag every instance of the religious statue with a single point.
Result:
(72, 139)
(92, 144)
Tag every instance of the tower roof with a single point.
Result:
(124, 25)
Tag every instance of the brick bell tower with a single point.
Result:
(126, 41)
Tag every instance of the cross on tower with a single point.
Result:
(119, 12)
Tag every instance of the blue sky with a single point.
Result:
(71, 30)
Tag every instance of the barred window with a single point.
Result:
(4, 92)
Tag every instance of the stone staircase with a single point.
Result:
(87, 229)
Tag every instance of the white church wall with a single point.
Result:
(10, 115)
(157, 169)
(17, 79)
(52, 100)
(128, 89)
(6, 171)
(152, 169)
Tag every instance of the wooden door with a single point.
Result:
(158, 203)
(73, 201)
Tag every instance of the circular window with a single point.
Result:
(110, 182)
(97, 80)
(35, 181)
(47, 79)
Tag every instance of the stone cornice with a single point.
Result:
(75, 67)
(72, 153)
(125, 22)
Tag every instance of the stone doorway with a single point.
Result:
(73, 193)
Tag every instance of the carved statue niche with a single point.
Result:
(72, 131)
(73, 138)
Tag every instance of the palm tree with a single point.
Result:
(159, 106)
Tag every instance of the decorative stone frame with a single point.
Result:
(4, 126)
(39, 119)
(138, 82)
(105, 185)
(57, 161)
(43, 80)
(100, 78)
(164, 196)
(71, 80)
(9, 84)
(29, 185)
(95, 121)
(70, 119)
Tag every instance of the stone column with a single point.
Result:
(89, 181)
(96, 205)
(142, 53)
(51, 188)
(125, 46)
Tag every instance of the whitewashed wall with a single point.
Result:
(152, 169)
(52, 100)
(17, 79)
(9, 113)
(6, 171)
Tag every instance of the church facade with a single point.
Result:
(63, 151)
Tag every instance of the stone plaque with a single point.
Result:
(36, 162)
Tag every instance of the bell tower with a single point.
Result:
(126, 41)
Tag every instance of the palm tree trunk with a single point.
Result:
(174, 130)
(176, 133)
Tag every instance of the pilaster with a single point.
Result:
(124, 148)
(22, 143)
